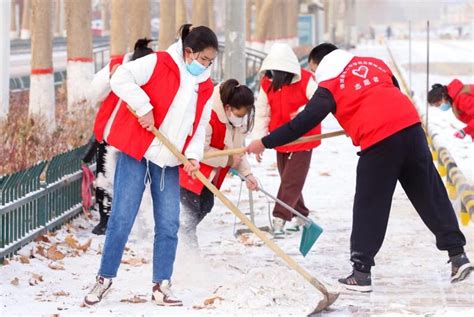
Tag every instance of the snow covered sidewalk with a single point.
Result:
(244, 277)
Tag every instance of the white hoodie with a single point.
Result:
(281, 57)
(178, 122)
(100, 85)
(234, 138)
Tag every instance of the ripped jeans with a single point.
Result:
(129, 185)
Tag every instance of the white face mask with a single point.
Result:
(236, 121)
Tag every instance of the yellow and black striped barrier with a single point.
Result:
(456, 184)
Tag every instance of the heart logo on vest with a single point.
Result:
(361, 72)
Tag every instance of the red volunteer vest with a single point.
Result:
(368, 105)
(107, 106)
(462, 104)
(127, 135)
(286, 101)
(217, 141)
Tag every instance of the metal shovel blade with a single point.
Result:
(311, 233)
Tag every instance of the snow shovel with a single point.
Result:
(303, 139)
(328, 298)
(251, 213)
(311, 230)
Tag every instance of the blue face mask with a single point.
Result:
(445, 106)
(195, 68)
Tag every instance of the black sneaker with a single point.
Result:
(461, 267)
(357, 281)
(100, 229)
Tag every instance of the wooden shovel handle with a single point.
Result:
(304, 139)
(289, 261)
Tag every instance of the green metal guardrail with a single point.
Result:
(30, 206)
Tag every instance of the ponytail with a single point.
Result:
(237, 96)
(141, 48)
(198, 38)
(437, 93)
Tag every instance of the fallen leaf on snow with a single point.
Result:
(249, 240)
(134, 261)
(15, 281)
(61, 293)
(35, 279)
(54, 254)
(71, 242)
(324, 174)
(6, 262)
(55, 266)
(24, 259)
(210, 301)
(134, 300)
(85, 246)
(74, 244)
(40, 251)
(43, 238)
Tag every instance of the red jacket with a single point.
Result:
(369, 106)
(463, 103)
(127, 135)
(108, 105)
(286, 101)
(217, 141)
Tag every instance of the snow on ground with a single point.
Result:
(411, 276)
(449, 59)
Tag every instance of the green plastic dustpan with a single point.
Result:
(311, 233)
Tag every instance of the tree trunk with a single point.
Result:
(42, 82)
(263, 23)
(248, 21)
(139, 23)
(118, 36)
(211, 19)
(13, 19)
(167, 24)
(25, 20)
(200, 13)
(58, 18)
(5, 26)
(80, 69)
(292, 21)
(105, 16)
(181, 14)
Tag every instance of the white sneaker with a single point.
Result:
(99, 290)
(163, 296)
(278, 228)
(296, 224)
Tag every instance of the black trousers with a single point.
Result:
(194, 208)
(405, 157)
(104, 200)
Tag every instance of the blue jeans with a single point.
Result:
(129, 184)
